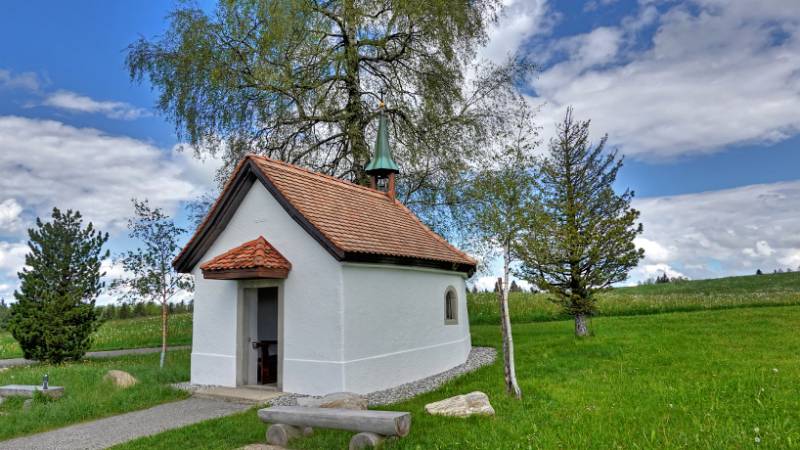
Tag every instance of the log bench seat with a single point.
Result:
(373, 427)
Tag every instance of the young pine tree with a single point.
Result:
(54, 316)
(583, 240)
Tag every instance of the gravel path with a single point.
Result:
(478, 357)
(115, 430)
(102, 354)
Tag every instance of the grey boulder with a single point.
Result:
(472, 404)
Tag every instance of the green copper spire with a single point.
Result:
(382, 163)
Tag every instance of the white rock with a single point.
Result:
(120, 378)
(472, 404)
(343, 400)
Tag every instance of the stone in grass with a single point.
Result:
(342, 400)
(472, 404)
(27, 404)
(120, 378)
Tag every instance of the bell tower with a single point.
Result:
(382, 168)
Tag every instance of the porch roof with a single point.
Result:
(253, 259)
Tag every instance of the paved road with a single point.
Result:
(115, 430)
(104, 354)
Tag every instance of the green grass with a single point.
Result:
(121, 334)
(705, 379)
(748, 291)
(86, 396)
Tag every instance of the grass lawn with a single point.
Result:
(119, 334)
(721, 293)
(710, 379)
(86, 395)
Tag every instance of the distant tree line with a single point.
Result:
(141, 309)
(779, 270)
(116, 311)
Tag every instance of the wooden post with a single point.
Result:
(366, 440)
(280, 434)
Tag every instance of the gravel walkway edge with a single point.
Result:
(478, 357)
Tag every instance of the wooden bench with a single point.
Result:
(289, 422)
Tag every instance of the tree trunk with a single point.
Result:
(580, 325)
(508, 340)
(164, 317)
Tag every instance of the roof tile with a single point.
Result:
(255, 254)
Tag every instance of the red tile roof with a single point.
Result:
(354, 223)
(254, 254)
(257, 255)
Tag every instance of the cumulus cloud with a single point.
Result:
(709, 74)
(12, 257)
(10, 212)
(731, 231)
(24, 80)
(46, 163)
(80, 103)
(519, 21)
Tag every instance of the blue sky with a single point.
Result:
(701, 96)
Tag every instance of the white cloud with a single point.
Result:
(80, 103)
(725, 232)
(47, 163)
(519, 21)
(653, 250)
(25, 80)
(10, 212)
(761, 248)
(12, 257)
(715, 74)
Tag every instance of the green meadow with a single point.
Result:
(700, 364)
(780, 289)
(86, 395)
(122, 334)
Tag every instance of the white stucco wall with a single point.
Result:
(346, 327)
(395, 328)
(312, 310)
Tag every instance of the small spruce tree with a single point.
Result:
(54, 316)
(583, 239)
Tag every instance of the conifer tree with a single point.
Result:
(54, 316)
(583, 240)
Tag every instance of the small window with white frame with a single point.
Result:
(450, 306)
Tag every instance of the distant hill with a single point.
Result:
(777, 282)
(780, 289)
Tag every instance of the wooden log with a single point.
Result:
(280, 434)
(366, 440)
(386, 423)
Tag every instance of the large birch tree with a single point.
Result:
(301, 81)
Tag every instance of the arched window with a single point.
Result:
(450, 306)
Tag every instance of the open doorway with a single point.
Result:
(262, 336)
